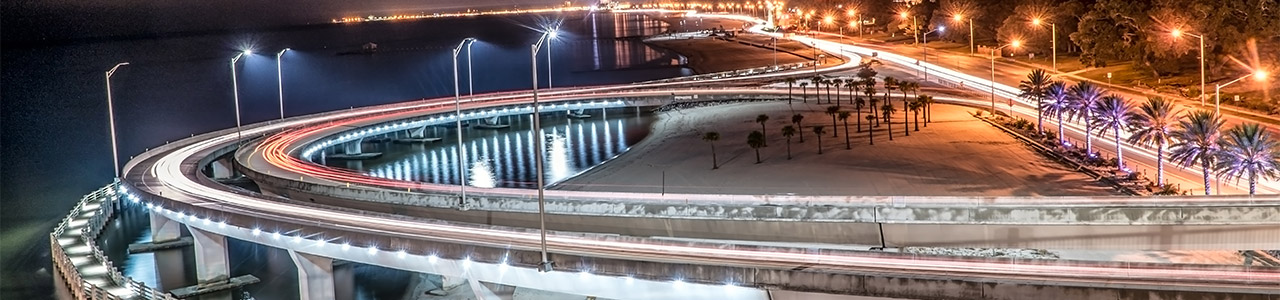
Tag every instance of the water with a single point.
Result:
(56, 140)
(505, 157)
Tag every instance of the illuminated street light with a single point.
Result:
(1259, 75)
(111, 119)
(555, 32)
(925, 46)
(1177, 32)
(914, 27)
(1014, 44)
(546, 264)
(457, 112)
(1054, 36)
(958, 18)
(235, 89)
(280, 80)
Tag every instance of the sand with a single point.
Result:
(956, 155)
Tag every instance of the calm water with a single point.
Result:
(56, 140)
(505, 157)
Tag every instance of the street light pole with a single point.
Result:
(925, 37)
(1179, 33)
(457, 118)
(235, 90)
(471, 88)
(1217, 109)
(280, 80)
(546, 264)
(993, 74)
(111, 120)
(1054, 42)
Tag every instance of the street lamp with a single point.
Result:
(545, 265)
(925, 46)
(235, 89)
(457, 117)
(958, 18)
(554, 33)
(111, 119)
(1015, 44)
(1178, 33)
(914, 27)
(1054, 36)
(1259, 75)
(280, 80)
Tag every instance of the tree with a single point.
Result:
(870, 91)
(832, 111)
(867, 74)
(796, 119)
(844, 117)
(829, 83)
(915, 107)
(817, 87)
(904, 86)
(858, 103)
(1059, 102)
(1154, 124)
(890, 84)
(804, 93)
(762, 118)
(928, 110)
(1114, 113)
(888, 110)
(1249, 151)
(870, 132)
(756, 141)
(817, 130)
(711, 138)
(788, 132)
(1197, 141)
(1084, 97)
(852, 86)
(1034, 88)
(790, 81)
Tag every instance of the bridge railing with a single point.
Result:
(106, 198)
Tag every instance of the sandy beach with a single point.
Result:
(956, 155)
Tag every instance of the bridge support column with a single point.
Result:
(211, 260)
(344, 283)
(170, 264)
(222, 168)
(352, 147)
(481, 291)
(315, 276)
(164, 229)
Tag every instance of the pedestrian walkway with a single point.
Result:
(85, 271)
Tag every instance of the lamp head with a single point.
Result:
(852, 12)
(903, 15)
(1260, 75)
(942, 28)
(1035, 21)
(958, 17)
(1015, 43)
(554, 33)
(1176, 32)
(828, 19)
(247, 52)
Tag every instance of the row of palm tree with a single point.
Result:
(865, 84)
(1243, 151)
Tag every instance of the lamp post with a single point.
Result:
(471, 90)
(457, 118)
(1015, 44)
(1217, 109)
(926, 49)
(545, 265)
(280, 80)
(914, 27)
(1054, 36)
(774, 43)
(554, 33)
(1179, 33)
(959, 18)
(111, 120)
(235, 89)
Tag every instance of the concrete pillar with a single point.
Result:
(352, 147)
(315, 276)
(164, 229)
(482, 292)
(344, 281)
(417, 133)
(222, 168)
(211, 259)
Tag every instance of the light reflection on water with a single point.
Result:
(503, 157)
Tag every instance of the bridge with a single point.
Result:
(671, 246)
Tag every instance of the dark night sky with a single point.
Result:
(54, 20)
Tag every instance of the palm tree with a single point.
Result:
(1034, 88)
(844, 117)
(790, 81)
(890, 84)
(1154, 125)
(756, 140)
(915, 107)
(903, 86)
(1248, 150)
(1059, 102)
(866, 73)
(795, 119)
(832, 111)
(788, 132)
(888, 110)
(1084, 97)
(817, 129)
(928, 110)
(870, 91)
(804, 93)
(711, 138)
(761, 119)
(852, 86)
(817, 87)
(870, 132)
(858, 103)
(1114, 113)
(828, 82)
(1196, 141)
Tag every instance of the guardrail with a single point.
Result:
(106, 198)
